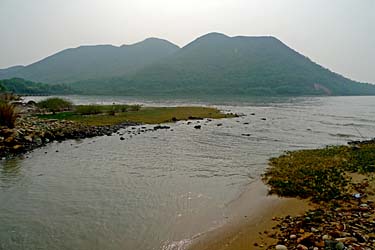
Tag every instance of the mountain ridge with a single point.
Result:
(211, 64)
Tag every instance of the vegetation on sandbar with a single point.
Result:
(101, 115)
(341, 181)
(320, 174)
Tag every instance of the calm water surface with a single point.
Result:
(157, 190)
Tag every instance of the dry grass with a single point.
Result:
(8, 115)
(149, 115)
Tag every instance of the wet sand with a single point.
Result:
(253, 213)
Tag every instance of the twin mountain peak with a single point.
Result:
(213, 64)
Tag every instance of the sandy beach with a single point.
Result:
(254, 212)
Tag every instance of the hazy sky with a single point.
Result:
(338, 34)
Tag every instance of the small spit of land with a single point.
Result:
(35, 124)
(337, 184)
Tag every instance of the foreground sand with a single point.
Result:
(254, 211)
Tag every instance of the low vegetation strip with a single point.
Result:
(340, 180)
(319, 174)
(95, 115)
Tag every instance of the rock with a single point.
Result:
(9, 139)
(330, 244)
(197, 126)
(28, 138)
(15, 147)
(325, 237)
(219, 124)
(281, 247)
(304, 237)
(161, 127)
(38, 141)
(122, 138)
(293, 236)
(302, 247)
(263, 119)
(195, 118)
(340, 246)
(319, 243)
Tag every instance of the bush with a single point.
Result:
(55, 104)
(88, 109)
(8, 115)
(135, 107)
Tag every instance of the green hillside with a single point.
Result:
(92, 62)
(216, 64)
(213, 64)
(24, 87)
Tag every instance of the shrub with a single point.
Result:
(8, 115)
(55, 104)
(88, 109)
(135, 107)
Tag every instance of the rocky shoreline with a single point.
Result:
(31, 133)
(347, 226)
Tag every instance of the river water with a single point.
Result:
(157, 190)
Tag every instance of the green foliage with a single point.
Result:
(88, 109)
(110, 109)
(8, 115)
(320, 173)
(24, 87)
(2, 88)
(222, 66)
(149, 115)
(211, 65)
(93, 62)
(55, 104)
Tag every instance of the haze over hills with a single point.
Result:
(92, 62)
(213, 64)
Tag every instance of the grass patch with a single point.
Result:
(55, 104)
(100, 109)
(146, 115)
(319, 174)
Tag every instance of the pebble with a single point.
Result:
(281, 247)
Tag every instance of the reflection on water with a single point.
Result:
(10, 172)
(158, 188)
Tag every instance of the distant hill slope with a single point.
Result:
(213, 64)
(93, 62)
(24, 87)
(222, 65)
